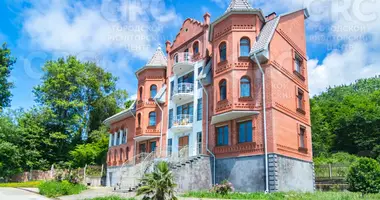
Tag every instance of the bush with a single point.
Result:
(111, 198)
(30, 184)
(56, 188)
(224, 188)
(364, 176)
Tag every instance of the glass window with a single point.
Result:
(298, 64)
(152, 119)
(223, 51)
(223, 89)
(139, 119)
(170, 118)
(153, 146)
(171, 89)
(170, 144)
(196, 47)
(153, 91)
(300, 99)
(124, 137)
(188, 78)
(244, 47)
(245, 87)
(245, 131)
(302, 137)
(199, 142)
(141, 92)
(199, 72)
(142, 148)
(176, 58)
(222, 136)
(186, 56)
(199, 109)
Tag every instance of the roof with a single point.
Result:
(158, 58)
(121, 115)
(158, 61)
(268, 30)
(239, 5)
(236, 7)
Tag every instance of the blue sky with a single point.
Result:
(342, 36)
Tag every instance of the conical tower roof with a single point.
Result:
(158, 58)
(239, 5)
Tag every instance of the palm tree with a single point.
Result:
(158, 185)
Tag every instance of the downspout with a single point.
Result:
(207, 149)
(265, 125)
(161, 124)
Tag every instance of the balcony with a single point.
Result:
(182, 123)
(183, 63)
(183, 92)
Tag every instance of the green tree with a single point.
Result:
(94, 152)
(347, 119)
(158, 185)
(6, 65)
(364, 176)
(81, 95)
(10, 157)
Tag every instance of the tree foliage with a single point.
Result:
(6, 65)
(364, 176)
(347, 119)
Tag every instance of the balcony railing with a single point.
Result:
(183, 62)
(183, 120)
(184, 88)
(183, 57)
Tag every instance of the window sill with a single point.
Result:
(302, 149)
(245, 99)
(302, 111)
(299, 75)
(222, 62)
(244, 58)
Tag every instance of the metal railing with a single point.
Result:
(331, 171)
(183, 120)
(184, 88)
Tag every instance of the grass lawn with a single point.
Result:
(111, 198)
(288, 195)
(30, 184)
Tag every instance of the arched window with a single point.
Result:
(244, 47)
(223, 51)
(140, 93)
(223, 89)
(152, 119)
(121, 154)
(196, 47)
(139, 120)
(153, 91)
(176, 58)
(245, 87)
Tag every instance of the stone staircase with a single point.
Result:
(189, 173)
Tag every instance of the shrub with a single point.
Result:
(60, 188)
(364, 176)
(159, 184)
(111, 198)
(224, 188)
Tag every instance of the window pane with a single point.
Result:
(170, 118)
(225, 140)
(199, 110)
(241, 133)
(152, 119)
(249, 131)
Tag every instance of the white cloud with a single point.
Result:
(116, 26)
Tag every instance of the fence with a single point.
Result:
(331, 171)
(89, 175)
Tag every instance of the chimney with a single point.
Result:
(271, 16)
(206, 18)
(168, 46)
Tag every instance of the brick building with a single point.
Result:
(234, 90)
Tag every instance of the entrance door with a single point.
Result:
(183, 146)
(142, 148)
